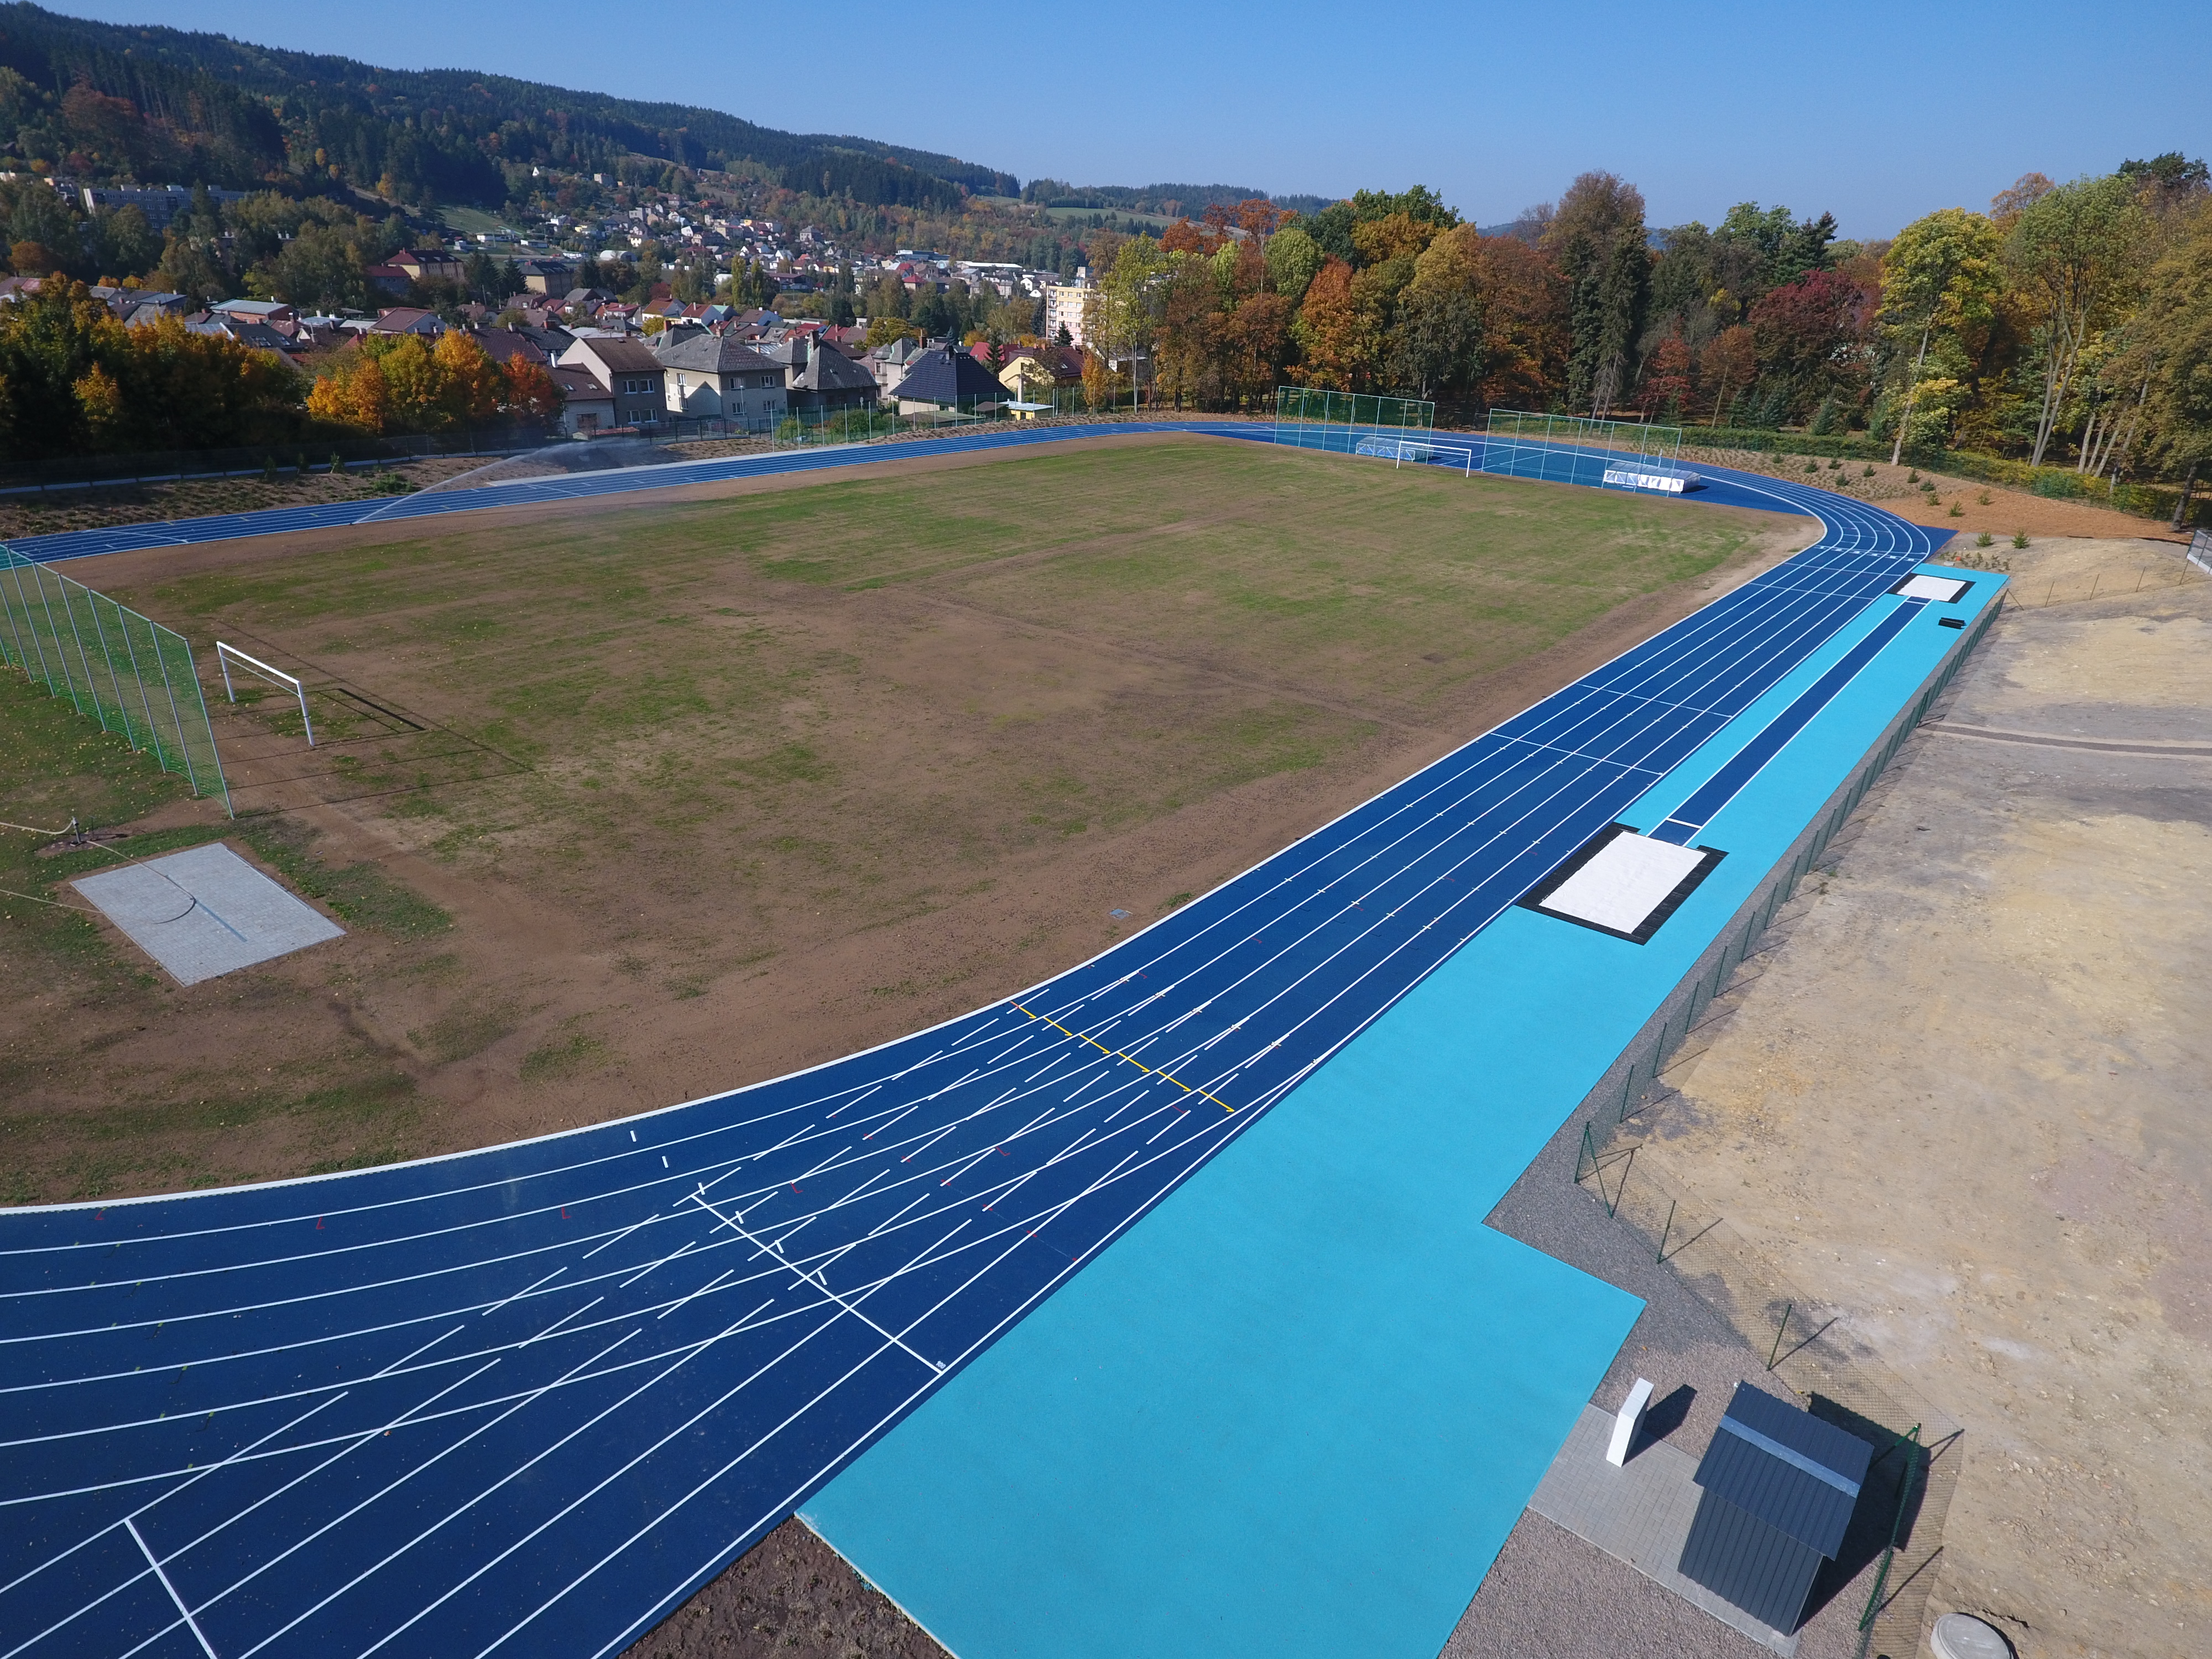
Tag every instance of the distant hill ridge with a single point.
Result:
(204, 108)
(224, 112)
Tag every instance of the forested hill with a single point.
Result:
(111, 103)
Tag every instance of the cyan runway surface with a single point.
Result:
(527, 1399)
(1295, 1412)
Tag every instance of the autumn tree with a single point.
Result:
(1436, 344)
(1805, 333)
(74, 379)
(1666, 387)
(1337, 340)
(1293, 258)
(384, 385)
(2075, 249)
(1728, 365)
(1596, 238)
(2177, 315)
(1940, 276)
(1524, 317)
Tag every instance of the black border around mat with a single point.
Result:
(1534, 897)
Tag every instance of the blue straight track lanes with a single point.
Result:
(527, 1399)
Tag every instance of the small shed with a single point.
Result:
(1780, 1486)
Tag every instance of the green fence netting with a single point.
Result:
(129, 673)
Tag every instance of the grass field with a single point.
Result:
(636, 802)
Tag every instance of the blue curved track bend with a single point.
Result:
(526, 1400)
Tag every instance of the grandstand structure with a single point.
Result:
(1230, 1173)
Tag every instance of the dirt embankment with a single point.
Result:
(1963, 1104)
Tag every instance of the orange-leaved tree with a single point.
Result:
(406, 385)
(74, 379)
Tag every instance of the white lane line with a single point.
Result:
(417, 1354)
(524, 1290)
(813, 1279)
(198, 1635)
(389, 1487)
(701, 1290)
(619, 1238)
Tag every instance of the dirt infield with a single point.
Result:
(626, 802)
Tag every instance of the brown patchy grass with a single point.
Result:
(627, 805)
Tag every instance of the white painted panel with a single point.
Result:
(1941, 589)
(1629, 878)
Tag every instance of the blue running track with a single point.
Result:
(525, 1400)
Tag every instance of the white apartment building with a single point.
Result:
(1063, 306)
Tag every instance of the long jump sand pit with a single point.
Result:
(658, 796)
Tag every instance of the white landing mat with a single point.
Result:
(205, 911)
(1630, 877)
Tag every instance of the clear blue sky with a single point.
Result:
(1877, 111)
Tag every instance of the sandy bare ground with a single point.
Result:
(1961, 1105)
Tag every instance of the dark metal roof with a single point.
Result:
(713, 354)
(1787, 1467)
(943, 375)
(1748, 1564)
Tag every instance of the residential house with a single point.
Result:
(628, 370)
(537, 345)
(407, 319)
(390, 278)
(429, 264)
(504, 345)
(818, 379)
(719, 377)
(144, 308)
(273, 312)
(246, 330)
(546, 276)
(586, 406)
(946, 378)
(1031, 373)
(161, 203)
(889, 363)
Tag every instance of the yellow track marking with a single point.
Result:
(1148, 1069)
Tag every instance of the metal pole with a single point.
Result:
(121, 712)
(38, 576)
(152, 731)
(84, 657)
(1788, 1308)
(183, 747)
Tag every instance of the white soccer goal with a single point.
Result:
(228, 654)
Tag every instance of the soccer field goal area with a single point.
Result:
(1347, 423)
(1577, 449)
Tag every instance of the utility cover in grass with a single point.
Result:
(205, 911)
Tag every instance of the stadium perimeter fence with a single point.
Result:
(1577, 449)
(1562, 448)
(127, 672)
(1352, 423)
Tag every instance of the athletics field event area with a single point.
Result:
(1148, 1309)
